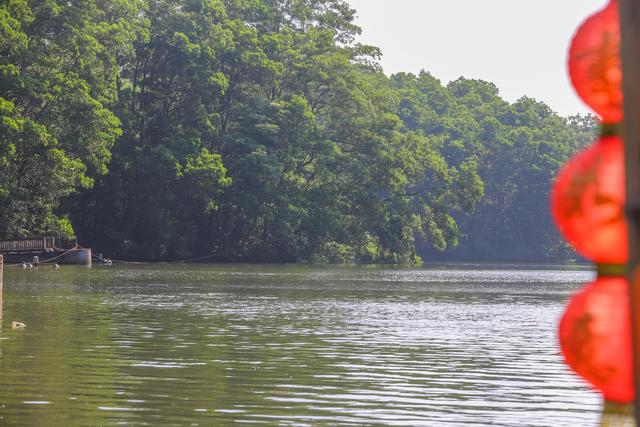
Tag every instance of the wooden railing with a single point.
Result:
(42, 244)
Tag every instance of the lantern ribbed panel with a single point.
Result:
(587, 202)
(595, 336)
(594, 63)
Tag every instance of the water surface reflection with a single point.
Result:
(223, 345)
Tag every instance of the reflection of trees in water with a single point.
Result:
(164, 344)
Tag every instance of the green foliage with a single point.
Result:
(58, 69)
(510, 153)
(259, 130)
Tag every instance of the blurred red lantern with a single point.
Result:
(587, 202)
(595, 65)
(595, 337)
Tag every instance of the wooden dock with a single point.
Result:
(43, 249)
(27, 246)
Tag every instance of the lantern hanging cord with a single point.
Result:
(611, 129)
(611, 270)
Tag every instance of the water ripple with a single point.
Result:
(290, 346)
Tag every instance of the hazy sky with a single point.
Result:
(520, 45)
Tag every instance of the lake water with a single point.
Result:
(289, 345)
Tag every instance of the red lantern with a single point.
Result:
(595, 65)
(587, 202)
(595, 337)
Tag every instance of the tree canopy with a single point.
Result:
(261, 130)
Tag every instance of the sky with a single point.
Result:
(520, 45)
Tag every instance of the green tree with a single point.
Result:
(516, 149)
(261, 130)
(58, 74)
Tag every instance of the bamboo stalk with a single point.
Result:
(630, 32)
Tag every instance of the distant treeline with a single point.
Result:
(261, 130)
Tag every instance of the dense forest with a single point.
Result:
(261, 130)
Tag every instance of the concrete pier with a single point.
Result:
(41, 250)
(77, 257)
